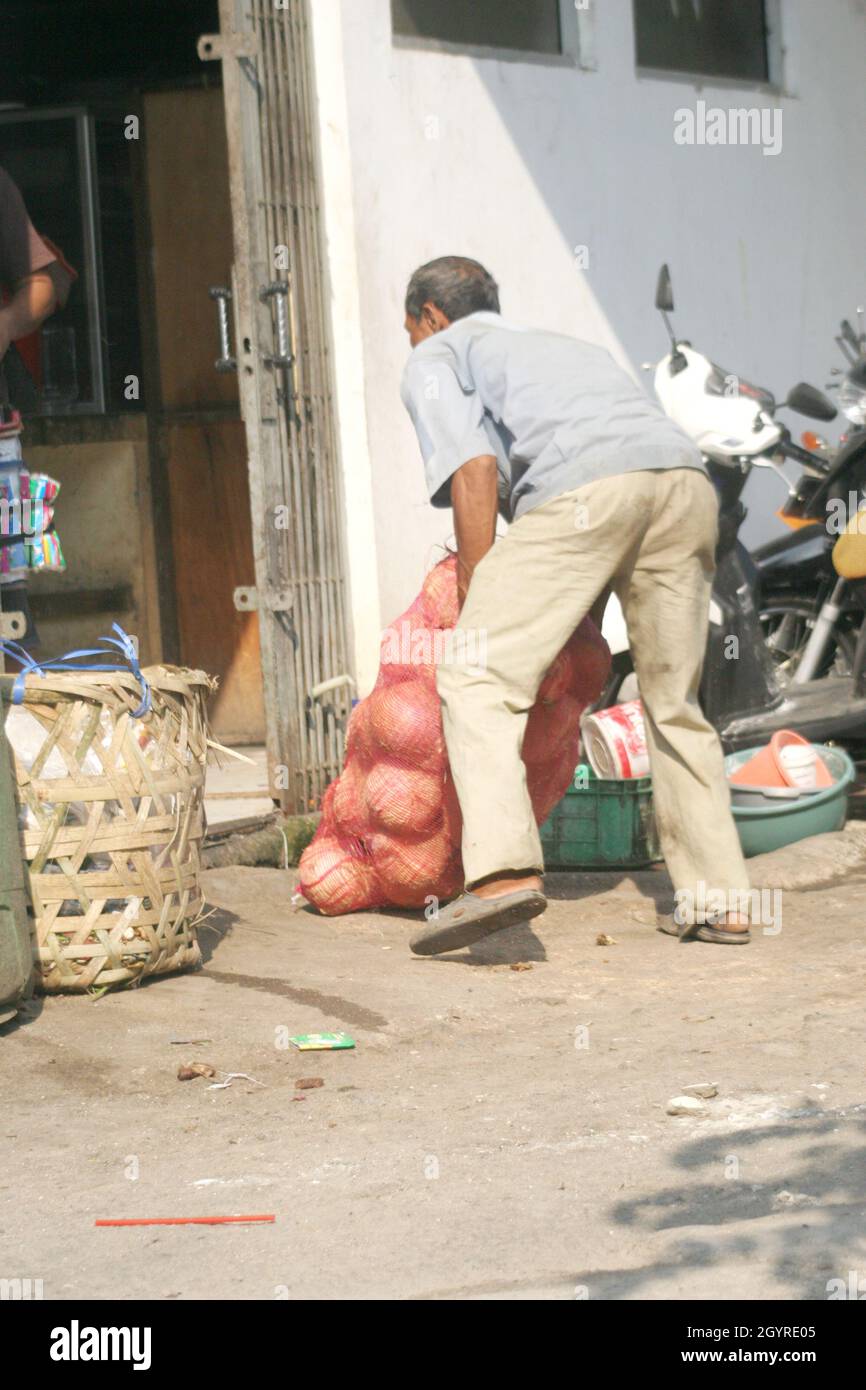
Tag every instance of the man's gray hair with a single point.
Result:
(455, 284)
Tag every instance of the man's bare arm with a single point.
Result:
(33, 300)
(474, 500)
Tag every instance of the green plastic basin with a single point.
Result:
(764, 828)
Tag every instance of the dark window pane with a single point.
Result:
(140, 42)
(718, 38)
(531, 26)
(117, 237)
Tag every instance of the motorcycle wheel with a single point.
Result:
(787, 628)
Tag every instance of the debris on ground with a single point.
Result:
(783, 1200)
(702, 1090)
(190, 1070)
(321, 1042)
(188, 1042)
(604, 940)
(229, 1077)
(185, 1220)
(686, 1105)
(521, 965)
(309, 1083)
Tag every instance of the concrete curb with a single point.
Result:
(814, 863)
(272, 846)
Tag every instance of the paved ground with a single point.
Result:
(497, 1133)
(237, 794)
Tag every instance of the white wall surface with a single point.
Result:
(517, 163)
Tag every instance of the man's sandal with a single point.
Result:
(470, 918)
(703, 931)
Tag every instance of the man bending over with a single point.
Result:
(602, 490)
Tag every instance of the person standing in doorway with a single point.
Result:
(34, 282)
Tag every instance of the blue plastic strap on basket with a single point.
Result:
(74, 661)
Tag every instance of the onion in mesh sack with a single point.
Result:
(406, 723)
(358, 742)
(336, 880)
(557, 680)
(410, 648)
(439, 593)
(402, 799)
(412, 870)
(550, 725)
(395, 743)
(349, 808)
(548, 782)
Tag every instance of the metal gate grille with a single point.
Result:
(286, 394)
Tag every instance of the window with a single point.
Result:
(529, 26)
(713, 38)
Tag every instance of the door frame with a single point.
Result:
(287, 399)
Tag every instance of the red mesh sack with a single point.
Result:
(390, 828)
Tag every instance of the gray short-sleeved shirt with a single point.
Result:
(556, 412)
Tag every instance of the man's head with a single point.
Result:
(446, 289)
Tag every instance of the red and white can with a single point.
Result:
(614, 741)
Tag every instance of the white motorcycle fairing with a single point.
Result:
(723, 423)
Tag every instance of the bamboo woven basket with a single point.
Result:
(111, 848)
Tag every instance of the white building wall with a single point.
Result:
(518, 163)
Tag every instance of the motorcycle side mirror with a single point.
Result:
(808, 400)
(664, 291)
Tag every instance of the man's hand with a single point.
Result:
(474, 500)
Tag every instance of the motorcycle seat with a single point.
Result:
(849, 552)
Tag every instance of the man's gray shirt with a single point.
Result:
(556, 412)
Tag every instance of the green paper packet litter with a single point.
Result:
(321, 1042)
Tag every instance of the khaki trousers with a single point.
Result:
(652, 535)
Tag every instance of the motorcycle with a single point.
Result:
(797, 584)
(852, 388)
(748, 698)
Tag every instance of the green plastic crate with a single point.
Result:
(602, 824)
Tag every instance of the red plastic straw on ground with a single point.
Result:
(181, 1220)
